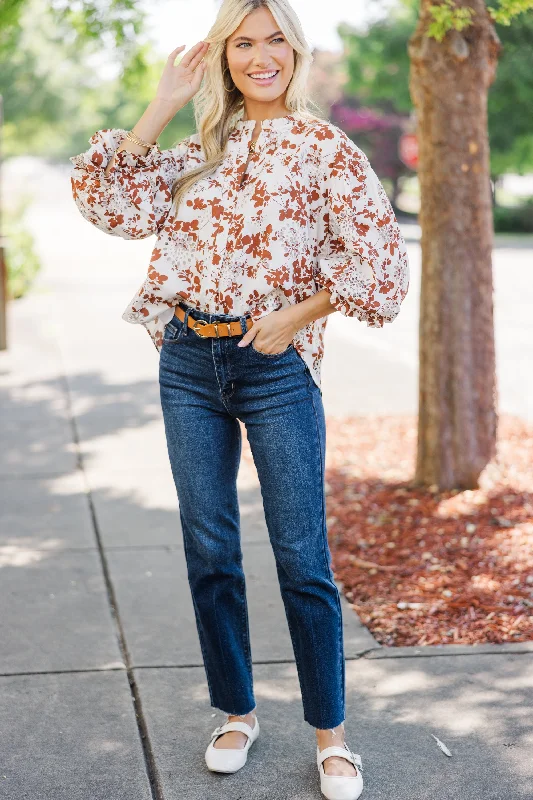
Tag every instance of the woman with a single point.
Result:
(268, 220)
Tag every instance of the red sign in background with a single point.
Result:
(408, 150)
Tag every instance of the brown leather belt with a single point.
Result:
(217, 329)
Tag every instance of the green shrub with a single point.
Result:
(514, 219)
(22, 260)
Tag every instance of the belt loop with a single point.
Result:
(244, 328)
(186, 320)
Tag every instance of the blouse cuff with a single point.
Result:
(349, 307)
(104, 144)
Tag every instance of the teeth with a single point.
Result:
(264, 76)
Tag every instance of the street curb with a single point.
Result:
(430, 651)
(377, 650)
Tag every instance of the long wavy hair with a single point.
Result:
(217, 105)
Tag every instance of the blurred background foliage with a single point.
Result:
(378, 69)
(69, 70)
(23, 262)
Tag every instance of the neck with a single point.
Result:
(258, 112)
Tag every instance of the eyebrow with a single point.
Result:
(247, 38)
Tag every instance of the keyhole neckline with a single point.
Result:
(274, 122)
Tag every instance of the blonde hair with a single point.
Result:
(216, 108)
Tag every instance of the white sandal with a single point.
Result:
(340, 787)
(219, 759)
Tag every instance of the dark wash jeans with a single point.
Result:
(206, 386)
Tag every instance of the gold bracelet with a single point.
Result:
(132, 137)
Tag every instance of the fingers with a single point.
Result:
(199, 74)
(174, 53)
(192, 58)
(248, 336)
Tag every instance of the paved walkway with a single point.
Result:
(99, 661)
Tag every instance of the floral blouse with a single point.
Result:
(309, 214)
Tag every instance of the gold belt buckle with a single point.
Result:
(204, 322)
(199, 322)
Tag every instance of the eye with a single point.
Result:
(277, 39)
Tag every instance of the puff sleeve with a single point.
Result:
(134, 199)
(362, 259)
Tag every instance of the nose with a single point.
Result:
(261, 55)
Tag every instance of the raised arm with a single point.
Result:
(124, 188)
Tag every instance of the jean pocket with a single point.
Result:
(173, 330)
(289, 347)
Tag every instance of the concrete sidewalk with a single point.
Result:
(101, 678)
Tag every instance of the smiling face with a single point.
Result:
(261, 64)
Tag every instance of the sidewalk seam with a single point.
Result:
(142, 728)
(88, 671)
(363, 655)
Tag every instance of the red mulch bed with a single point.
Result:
(422, 567)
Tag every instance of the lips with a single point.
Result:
(265, 81)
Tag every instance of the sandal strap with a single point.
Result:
(341, 752)
(243, 727)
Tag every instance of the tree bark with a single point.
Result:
(449, 82)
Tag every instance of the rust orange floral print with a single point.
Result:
(309, 213)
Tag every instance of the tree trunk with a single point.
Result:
(449, 83)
